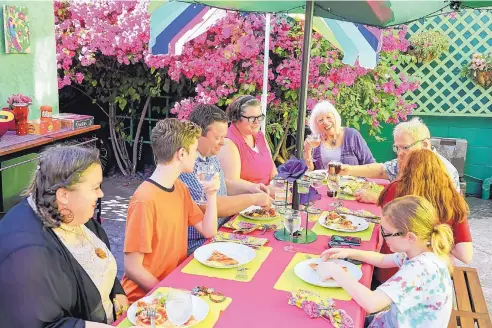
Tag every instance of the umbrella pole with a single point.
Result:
(301, 118)
(266, 58)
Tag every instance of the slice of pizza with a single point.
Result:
(314, 266)
(347, 224)
(333, 218)
(220, 259)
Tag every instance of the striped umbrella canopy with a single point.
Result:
(356, 41)
(174, 23)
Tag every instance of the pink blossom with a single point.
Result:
(79, 77)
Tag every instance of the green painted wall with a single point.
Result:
(33, 74)
(477, 131)
(15, 180)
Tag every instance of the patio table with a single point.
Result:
(257, 303)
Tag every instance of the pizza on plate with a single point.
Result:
(314, 266)
(261, 213)
(359, 213)
(219, 259)
(338, 221)
(160, 320)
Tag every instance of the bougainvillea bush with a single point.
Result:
(227, 61)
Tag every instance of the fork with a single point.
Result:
(151, 313)
(241, 273)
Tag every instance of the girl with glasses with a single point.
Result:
(418, 295)
(245, 155)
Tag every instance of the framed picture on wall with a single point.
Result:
(16, 29)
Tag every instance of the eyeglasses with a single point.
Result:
(396, 148)
(254, 119)
(386, 235)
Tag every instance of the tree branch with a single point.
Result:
(137, 134)
(114, 141)
(96, 103)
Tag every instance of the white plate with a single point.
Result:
(360, 223)
(241, 253)
(306, 273)
(344, 179)
(259, 218)
(200, 309)
(322, 172)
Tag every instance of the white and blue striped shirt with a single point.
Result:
(195, 238)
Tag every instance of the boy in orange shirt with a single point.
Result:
(161, 209)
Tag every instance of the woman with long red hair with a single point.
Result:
(425, 175)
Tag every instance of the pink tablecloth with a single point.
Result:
(256, 303)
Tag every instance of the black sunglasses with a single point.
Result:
(386, 235)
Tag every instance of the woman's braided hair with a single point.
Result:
(59, 166)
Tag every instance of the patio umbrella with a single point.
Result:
(377, 13)
(174, 23)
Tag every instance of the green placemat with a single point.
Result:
(289, 281)
(195, 267)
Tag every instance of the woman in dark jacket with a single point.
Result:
(56, 268)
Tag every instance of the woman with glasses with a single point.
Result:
(424, 175)
(419, 294)
(330, 141)
(245, 154)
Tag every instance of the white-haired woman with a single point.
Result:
(337, 143)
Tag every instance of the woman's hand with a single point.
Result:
(120, 305)
(307, 146)
(366, 196)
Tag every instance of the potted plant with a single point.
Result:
(427, 45)
(479, 69)
(19, 104)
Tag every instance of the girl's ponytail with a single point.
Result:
(441, 242)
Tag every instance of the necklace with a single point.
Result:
(97, 250)
(331, 143)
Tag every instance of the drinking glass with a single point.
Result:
(317, 182)
(314, 140)
(292, 223)
(279, 188)
(334, 181)
(179, 306)
(204, 173)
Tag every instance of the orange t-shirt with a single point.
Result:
(157, 226)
